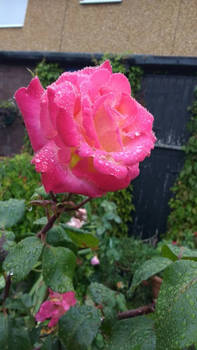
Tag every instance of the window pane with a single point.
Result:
(12, 13)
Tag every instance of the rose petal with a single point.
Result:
(58, 177)
(106, 126)
(28, 100)
(104, 182)
(46, 311)
(53, 322)
(118, 84)
(88, 123)
(45, 121)
(108, 166)
(69, 299)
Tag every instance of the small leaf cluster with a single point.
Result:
(8, 113)
(47, 72)
(183, 217)
(119, 258)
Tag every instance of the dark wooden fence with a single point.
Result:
(167, 92)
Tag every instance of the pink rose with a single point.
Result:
(95, 261)
(88, 133)
(55, 307)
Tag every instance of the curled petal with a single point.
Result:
(118, 83)
(28, 100)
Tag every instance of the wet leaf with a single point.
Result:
(149, 268)
(58, 268)
(12, 337)
(11, 212)
(133, 334)
(174, 252)
(176, 308)
(107, 298)
(22, 257)
(81, 238)
(79, 326)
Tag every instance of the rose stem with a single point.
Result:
(142, 310)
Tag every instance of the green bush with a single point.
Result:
(182, 221)
(18, 179)
(48, 72)
(119, 259)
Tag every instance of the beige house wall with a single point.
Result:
(157, 27)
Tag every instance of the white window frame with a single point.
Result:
(85, 2)
(12, 13)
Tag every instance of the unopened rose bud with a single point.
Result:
(95, 261)
(74, 222)
(81, 214)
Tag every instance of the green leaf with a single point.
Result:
(174, 252)
(4, 330)
(50, 343)
(12, 338)
(38, 293)
(22, 257)
(19, 302)
(106, 297)
(11, 212)
(6, 243)
(176, 308)
(41, 221)
(8, 235)
(81, 238)
(133, 334)
(79, 326)
(149, 268)
(57, 236)
(58, 268)
(2, 281)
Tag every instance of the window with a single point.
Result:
(12, 13)
(83, 2)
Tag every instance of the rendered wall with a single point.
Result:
(158, 27)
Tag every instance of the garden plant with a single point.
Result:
(69, 285)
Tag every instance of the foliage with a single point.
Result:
(18, 180)
(176, 306)
(79, 326)
(11, 212)
(119, 259)
(47, 72)
(119, 65)
(149, 268)
(22, 258)
(8, 113)
(182, 221)
(133, 334)
(58, 260)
